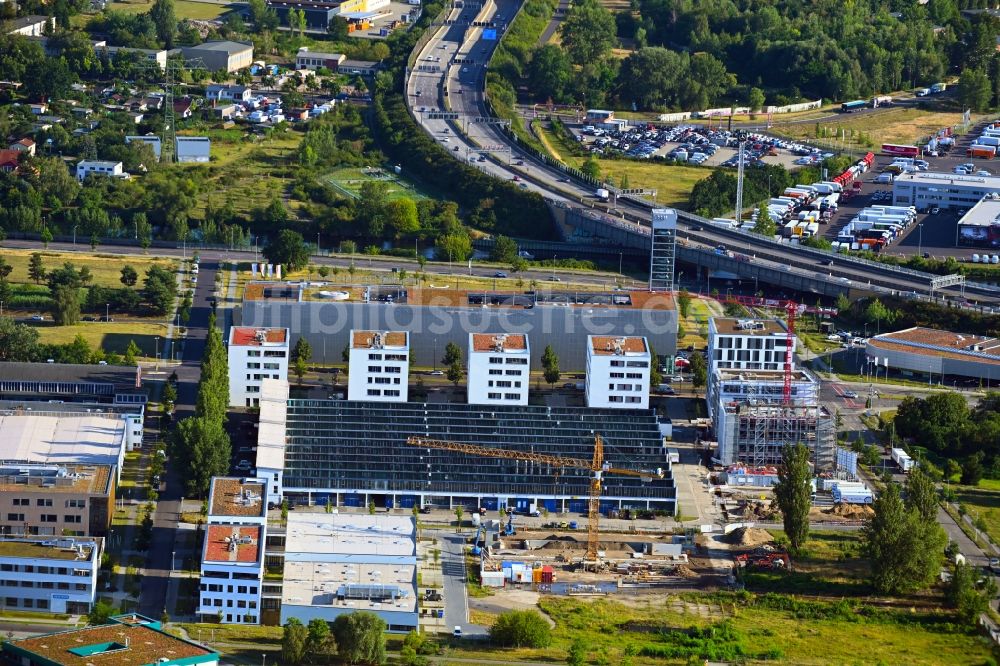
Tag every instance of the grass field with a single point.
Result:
(830, 564)
(672, 183)
(105, 268)
(349, 180)
(983, 502)
(185, 9)
(695, 324)
(898, 125)
(112, 337)
(747, 628)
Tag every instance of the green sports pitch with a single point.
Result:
(350, 179)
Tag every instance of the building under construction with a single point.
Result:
(755, 434)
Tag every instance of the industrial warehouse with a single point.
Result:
(935, 354)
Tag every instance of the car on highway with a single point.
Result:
(499, 274)
(516, 179)
(38, 317)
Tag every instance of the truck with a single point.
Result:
(782, 203)
(938, 88)
(881, 100)
(901, 458)
(602, 194)
(982, 152)
(988, 141)
(837, 187)
(900, 151)
(851, 107)
(922, 92)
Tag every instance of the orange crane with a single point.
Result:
(596, 466)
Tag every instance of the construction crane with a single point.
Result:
(596, 465)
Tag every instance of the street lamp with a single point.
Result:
(156, 347)
(920, 238)
(107, 312)
(74, 233)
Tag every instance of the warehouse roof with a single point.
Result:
(311, 534)
(69, 372)
(272, 418)
(224, 45)
(51, 437)
(938, 178)
(985, 213)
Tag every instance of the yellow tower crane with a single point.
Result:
(596, 466)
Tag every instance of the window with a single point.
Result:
(514, 373)
(395, 357)
(617, 375)
(374, 357)
(634, 375)
(392, 392)
(511, 396)
(48, 517)
(496, 359)
(633, 399)
(22, 501)
(72, 519)
(616, 398)
(253, 366)
(374, 368)
(16, 517)
(253, 353)
(42, 603)
(493, 396)
(492, 372)
(274, 354)
(392, 369)
(76, 504)
(517, 361)
(638, 364)
(374, 392)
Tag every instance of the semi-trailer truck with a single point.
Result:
(901, 458)
(938, 88)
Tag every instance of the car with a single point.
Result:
(516, 179)
(852, 395)
(935, 210)
(995, 564)
(194, 279)
(499, 274)
(38, 317)
(557, 279)
(437, 373)
(927, 255)
(456, 148)
(569, 385)
(445, 140)
(102, 363)
(983, 172)
(465, 69)
(243, 465)
(457, 632)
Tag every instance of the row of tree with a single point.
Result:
(355, 638)
(20, 343)
(200, 443)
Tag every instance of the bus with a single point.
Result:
(856, 105)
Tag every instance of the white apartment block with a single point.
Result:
(53, 575)
(745, 344)
(618, 372)
(499, 367)
(99, 167)
(379, 366)
(255, 354)
(232, 572)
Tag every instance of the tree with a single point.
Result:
(131, 352)
(129, 276)
(591, 168)
(588, 32)
(921, 496)
(550, 365)
(65, 284)
(504, 250)
(100, 613)
(301, 354)
(262, 17)
(46, 237)
(454, 246)
(18, 342)
(94, 241)
(524, 628)
(972, 469)
(203, 449)
(297, 21)
(338, 29)
(962, 594)
(293, 642)
(165, 20)
(5, 269)
(699, 370)
(360, 638)
(168, 397)
(684, 303)
(577, 654)
(794, 494)
(905, 551)
(550, 73)
(764, 225)
(288, 249)
(459, 512)
(401, 217)
(756, 99)
(974, 89)
(320, 645)
(412, 652)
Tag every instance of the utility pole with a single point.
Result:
(741, 140)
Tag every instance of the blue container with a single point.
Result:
(572, 525)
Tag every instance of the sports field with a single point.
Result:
(185, 9)
(349, 180)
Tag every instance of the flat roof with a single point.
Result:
(48, 548)
(938, 343)
(245, 336)
(366, 339)
(271, 424)
(731, 374)
(67, 479)
(222, 45)
(747, 326)
(306, 53)
(312, 534)
(25, 21)
(940, 178)
(146, 645)
(232, 544)
(50, 437)
(610, 345)
(237, 497)
(984, 214)
(350, 586)
(507, 343)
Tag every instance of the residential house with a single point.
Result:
(9, 160)
(226, 93)
(24, 145)
(183, 107)
(31, 26)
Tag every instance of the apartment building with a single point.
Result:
(499, 366)
(100, 168)
(618, 371)
(49, 575)
(49, 500)
(745, 344)
(235, 501)
(379, 366)
(255, 354)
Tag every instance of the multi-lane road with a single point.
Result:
(445, 91)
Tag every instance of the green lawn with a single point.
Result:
(771, 628)
(185, 9)
(105, 268)
(112, 337)
(983, 502)
(830, 563)
(349, 180)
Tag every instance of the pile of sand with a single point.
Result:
(749, 537)
(851, 511)
(684, 571)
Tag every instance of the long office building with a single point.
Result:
(48, 499)
(49, 575)
(355, 453)
(946, 190)
(435, 317)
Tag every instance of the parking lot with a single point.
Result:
(695, 145)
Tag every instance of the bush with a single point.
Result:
(521, 629)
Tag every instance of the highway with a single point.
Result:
(445, 92)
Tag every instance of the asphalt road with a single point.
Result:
(153, 597)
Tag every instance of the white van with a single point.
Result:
(975, 258)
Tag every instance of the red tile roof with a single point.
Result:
(8, 158)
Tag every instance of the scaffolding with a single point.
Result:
(759, 433)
